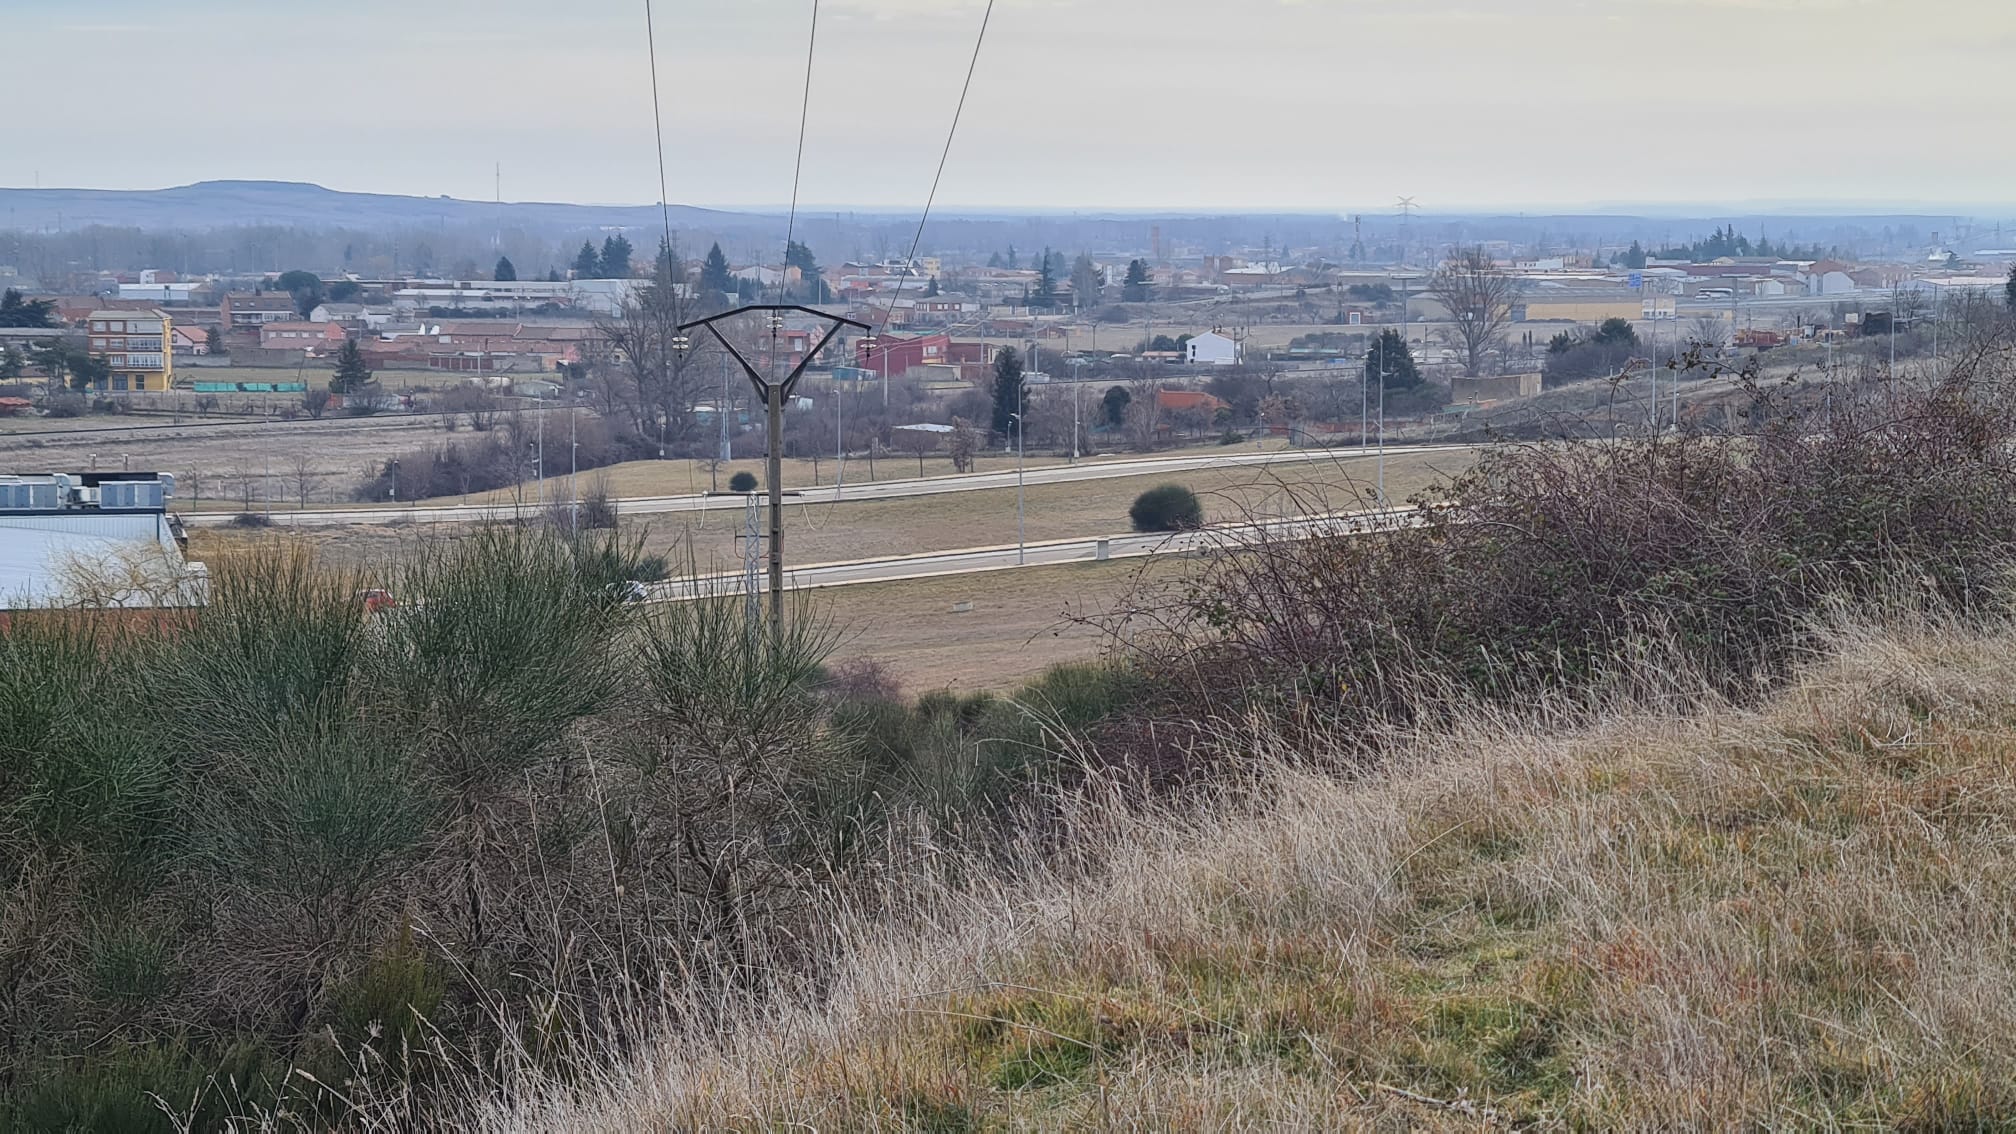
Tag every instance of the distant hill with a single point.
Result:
(227, 204)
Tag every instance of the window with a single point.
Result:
(98, 324)
(118, 381)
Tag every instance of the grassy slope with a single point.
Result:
(1800, 914)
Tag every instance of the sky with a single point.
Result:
(1246, 105)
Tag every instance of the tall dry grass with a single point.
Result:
(1797, 914)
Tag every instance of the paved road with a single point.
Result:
(1049, 553)
(1098, 468)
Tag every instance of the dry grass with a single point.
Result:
(1795, 916)
(817, 533)
(826, 533)
(682, 478)
(1015, 630)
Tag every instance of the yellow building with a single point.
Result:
(1578, 308)
(138, 345)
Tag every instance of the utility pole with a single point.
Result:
(773, 394)
(721, 411)
(1077, 388)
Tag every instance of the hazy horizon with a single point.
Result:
(1323, 106)
(1647, 209)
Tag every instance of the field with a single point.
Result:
(223, 458)
(1015, 628)
(680, 478)
(226, 461)
(825, 533)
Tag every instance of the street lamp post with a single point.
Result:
(1365, 398)
(1077, 390)
(1021, 451)
(1382, 436)
(773, 395)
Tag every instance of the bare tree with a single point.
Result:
(917, 441)
(304, 476)
(1479, 300)
(1144, 413)
(1707, 330)
(657, 383)
(965, 442)
(129, 575)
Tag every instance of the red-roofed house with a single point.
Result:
(1177, 401)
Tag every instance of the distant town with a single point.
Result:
(137, 337)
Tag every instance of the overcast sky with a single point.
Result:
(1337, 105)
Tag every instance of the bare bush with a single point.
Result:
(1562, 564)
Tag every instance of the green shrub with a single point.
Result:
(742, 482)
(396, 996)
(117, 1087)
(1166, 508)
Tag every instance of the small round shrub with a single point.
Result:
(742, 482)
(1166, 508)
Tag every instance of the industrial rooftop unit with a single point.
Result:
(93, 539)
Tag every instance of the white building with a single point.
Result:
(92, 540)
(1212, 349)
(1941, 287)
(515, 295)
(161, 292)
(369, 316)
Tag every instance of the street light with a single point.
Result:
(1384, 374)
(1021, 451)
(1077, 388)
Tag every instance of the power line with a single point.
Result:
(798, 166)
(911, 259)
(657, 125)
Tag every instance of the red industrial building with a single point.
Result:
(897, 357)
